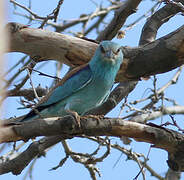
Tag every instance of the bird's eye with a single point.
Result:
(118, 51)
(102, 49)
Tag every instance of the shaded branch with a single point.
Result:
(168, 50)
(166, 53)
(160, 17)
(89, 126)
(66, 127)
(28, 93)
(17, 164)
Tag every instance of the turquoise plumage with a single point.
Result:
(84, 88)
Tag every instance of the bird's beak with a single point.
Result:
(109, 54)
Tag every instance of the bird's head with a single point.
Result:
(110, 52)
(107, 60)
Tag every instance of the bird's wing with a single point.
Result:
(76, 81)
(71, 83)
(107, 96)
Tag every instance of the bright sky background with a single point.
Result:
(124, 170)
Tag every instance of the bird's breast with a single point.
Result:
(89, 97)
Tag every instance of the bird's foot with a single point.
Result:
(76, 115)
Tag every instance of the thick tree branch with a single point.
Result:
(91, 126)
(160, 17)
(50, 45)
(37, 148)
(163, 138)
(159, 56)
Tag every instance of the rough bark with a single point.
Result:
(156, 57)
(153, 23)
(66, 127)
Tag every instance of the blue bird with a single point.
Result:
(85, 87)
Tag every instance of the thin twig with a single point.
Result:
(31, 82)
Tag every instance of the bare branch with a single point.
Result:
(166, 53)
(53, 15)
(37, 42)
(149, 54)
(130, 156)
(66, 125)
(160, 17)
(127, 8)
(156, 114)
(158, 136)
(28, 93)
(17, 164)
(159, 93)
(83, 19)
(27, 9)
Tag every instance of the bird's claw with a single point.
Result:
(76, 115)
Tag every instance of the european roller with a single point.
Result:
(85, 87)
